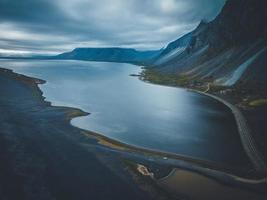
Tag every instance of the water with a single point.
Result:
(131, 111)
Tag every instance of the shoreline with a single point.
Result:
(42, 154)
(244, 131)
(114, 144)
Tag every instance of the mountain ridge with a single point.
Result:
(110, 54)
(216, 49)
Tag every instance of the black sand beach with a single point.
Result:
(42, 156)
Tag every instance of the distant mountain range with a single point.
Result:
(125, 55)
(113, 54)
(230, 50)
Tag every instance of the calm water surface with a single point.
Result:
(138, 113)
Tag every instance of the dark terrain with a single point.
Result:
(44, 157)
(212, 51)
(207, 57)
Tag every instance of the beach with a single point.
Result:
(45, 157)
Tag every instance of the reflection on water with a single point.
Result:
(127, 109)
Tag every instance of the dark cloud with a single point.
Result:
(55, 26)
(29, 11)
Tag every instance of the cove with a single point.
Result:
(131, 111)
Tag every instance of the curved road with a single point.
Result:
(245, 135)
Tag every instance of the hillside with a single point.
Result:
(226, 57)
(229, 51)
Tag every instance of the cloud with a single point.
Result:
(57, 26)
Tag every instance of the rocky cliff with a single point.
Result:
(230, 50)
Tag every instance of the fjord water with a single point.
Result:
(134, 112)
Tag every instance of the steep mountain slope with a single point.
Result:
(110, 55)
(174, 49)
(230, 50)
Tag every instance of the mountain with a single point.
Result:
(125, 55)
(230, 50)
(121, 55)
(173, 49)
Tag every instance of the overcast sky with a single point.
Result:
(53, 26)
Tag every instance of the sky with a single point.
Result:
(55, 26)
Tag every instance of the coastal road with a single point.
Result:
(245, 134)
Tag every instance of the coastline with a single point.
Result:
(245, 134)
(211, 170)
(246, 137)
(43, 155)
(111, 143)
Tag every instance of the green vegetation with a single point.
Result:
(164, 79)
(258, 102)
